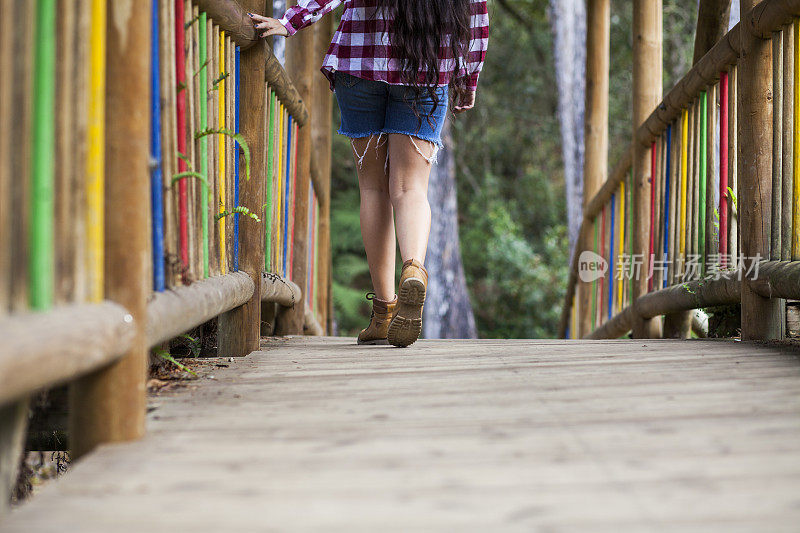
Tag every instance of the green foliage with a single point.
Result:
(189, 174)
(238, 209)
(165, 355)
(219, 79)
(193, 343)
(237, 137)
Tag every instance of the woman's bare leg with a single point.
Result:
(410, 169)
(377, 222)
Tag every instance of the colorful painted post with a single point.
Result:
(270, 170)
(180, 80)
(701, 222)
(96, 150)
(622, 200)
(286, 199)
(42, 166)
(723, 168)
(156, 188)
(236, 156)
(668, 154)
(223, 255)
(651, 248)
(684, 177)
(203, 141)
(611, 261)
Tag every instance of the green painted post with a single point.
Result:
(701, 224)
(42, 164)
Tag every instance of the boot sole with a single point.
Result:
(376, 342)
(406, 326)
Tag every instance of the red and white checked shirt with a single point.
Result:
(361, 46)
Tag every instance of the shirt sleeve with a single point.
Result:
(306, 13)
(479, 42)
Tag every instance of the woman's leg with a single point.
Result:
(377, 223)
(410, 169)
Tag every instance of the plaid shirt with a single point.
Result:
(361, 46)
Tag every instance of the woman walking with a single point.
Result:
(390, 65)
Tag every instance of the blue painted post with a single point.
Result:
(236, 165)
(156, 187)
(286, 197)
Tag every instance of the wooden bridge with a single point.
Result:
(162, 177)
(317, 434)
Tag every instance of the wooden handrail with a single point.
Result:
(232, 18)
(41, 350)
(776, 279)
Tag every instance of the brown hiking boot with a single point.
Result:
(382, 312)
(406, 325)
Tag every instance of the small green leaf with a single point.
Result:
(163, 354)
(189, 174)
(238, 209)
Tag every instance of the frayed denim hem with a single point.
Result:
(428, 138)
(432, 160)
(363, 135)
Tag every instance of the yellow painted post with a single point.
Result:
(684, 158)
(95, 150)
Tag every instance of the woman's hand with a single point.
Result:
(467, 101)
(267, 26)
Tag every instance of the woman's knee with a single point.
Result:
(400, 189)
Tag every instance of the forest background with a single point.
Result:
(507, 168)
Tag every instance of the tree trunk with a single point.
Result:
(448, 312)
(568, 21)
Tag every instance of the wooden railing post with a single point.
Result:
(109, 405)
(762, 318)
(300, 64)
(321, 118)
(239, 330)
(647, 91)
(595, 166)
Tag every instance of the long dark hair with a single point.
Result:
(421, 29)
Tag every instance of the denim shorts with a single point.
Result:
(373, 107)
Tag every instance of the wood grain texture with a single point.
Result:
(761, 318)
(173, 312)
(42, 350)
(109, 405)
(240, 329)
(232, 18)
(323, 435)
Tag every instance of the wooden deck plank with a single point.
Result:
(321, 435)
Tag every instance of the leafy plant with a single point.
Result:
(222, 77)
(194, 344)
(238, 209)
(237, 137)
(165, 355)
(188, 174)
